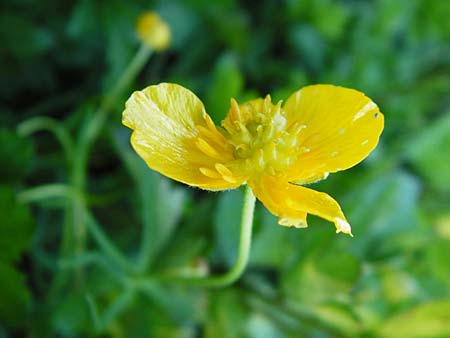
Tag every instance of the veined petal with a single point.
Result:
(175, 136)
(291, 203)
(341, 127)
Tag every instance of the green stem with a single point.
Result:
(93, 128)
(44, 192)
(93, 312)
(46, 123)
(128, 76)
(87, 137)
(104, 243)
(244, 248)
(48, 191)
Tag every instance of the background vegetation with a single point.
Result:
(60, 275)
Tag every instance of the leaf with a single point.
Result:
(118, 19)
(438, 260)
(427, 150)
(227, 220)
(226, 315)
(227, 82)
(183, 22)
(338, 316)
(16, 226)
(382, 212)
(15, 156)
(71, 314)
(27, 40)
(271, 243)
(322, 277)
(309, 45)
(14, 296)
(428, 320)
(82, 20)
(330, 18)
(259, 326)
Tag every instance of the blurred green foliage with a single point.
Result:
(60, 276)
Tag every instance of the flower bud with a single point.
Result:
(153, 31)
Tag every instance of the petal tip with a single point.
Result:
(343, 226)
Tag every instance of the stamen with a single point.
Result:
(292, 142)
(296, 127)
(261, 158)
(209, 122)
(230, 179)
(267, 103)
(278, 106)
(206, 148)
(209, 173)
(235, 110)
(245, 134)
(273, 150)
(224, 171)
(217, 137)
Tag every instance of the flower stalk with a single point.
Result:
(87, 137)
(244, 248)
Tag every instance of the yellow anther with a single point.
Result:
(230, 179)
(273, 150)
(267, 103)
(206, 148)
(278, 105)
(205, 131)
(209, 122)
(235, 110)
(261, 161)
(296, 127)
(224, 171)
(214, 136)
(209, 173)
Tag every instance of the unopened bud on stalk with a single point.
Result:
(153, 31)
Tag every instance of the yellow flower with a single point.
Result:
(153, 31)
(275, 149)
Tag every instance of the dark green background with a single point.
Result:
(59, 58)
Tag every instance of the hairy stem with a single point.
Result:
(244, 249)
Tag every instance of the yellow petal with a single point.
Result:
(341, 127)
(176, 137)
(291, 203)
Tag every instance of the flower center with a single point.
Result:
(262, 137)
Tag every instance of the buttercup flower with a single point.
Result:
(276, 149)
(153, 31)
